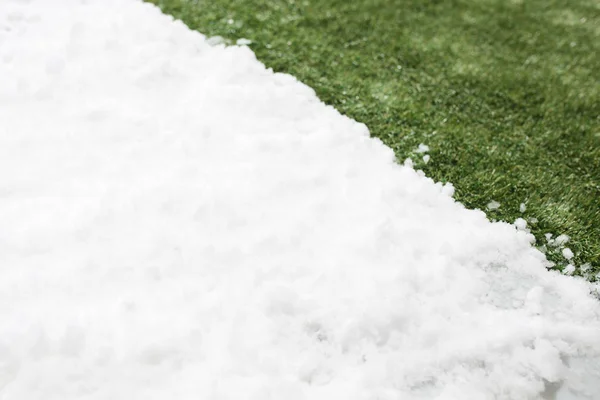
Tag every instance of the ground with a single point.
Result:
(505, 93)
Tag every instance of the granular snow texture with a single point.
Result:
(179, 222)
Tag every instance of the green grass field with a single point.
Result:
(506, 93)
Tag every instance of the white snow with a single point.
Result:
(448, 189)
(569, 269)
(567, 253)
(585, 267)
(422, 148)
(522, 207)
(243, 42)
(561, 240)
(520, 224)
(493, 205)
(426, 158)
(179, 222)
(215, 40)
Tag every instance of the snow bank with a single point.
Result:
(178, 222)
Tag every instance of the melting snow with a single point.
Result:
(423, 148)
(493, 205)
(521, 224)
(561, 240)
(567, 253)
(179, 222)
(243, 42)
(569, 269)
(216, 40)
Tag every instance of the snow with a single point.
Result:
(179, 222)
(493, 205)
(520, 224)
(522, 207)
(585, 267)
(422, 148)
(448, 189)
(569, 269)
(561, 240)
(567, 253)
(243, 42)
(216, 40)
(426, 158)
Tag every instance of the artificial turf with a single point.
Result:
(506, 93)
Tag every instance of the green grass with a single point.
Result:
(505, 93)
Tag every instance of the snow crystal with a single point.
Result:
(215, 40)
(521, 224)
(569, 269)
(561, 240)
(179, 222)
(522, 207)
(567, 253)
(448, 189)
(585, 267)
(422, 148)
(493, 205)
(426, 158)
(243, 42)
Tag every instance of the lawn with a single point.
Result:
(505, 93)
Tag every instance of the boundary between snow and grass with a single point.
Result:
(334, 56)
(554, 245)
(182, 222)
